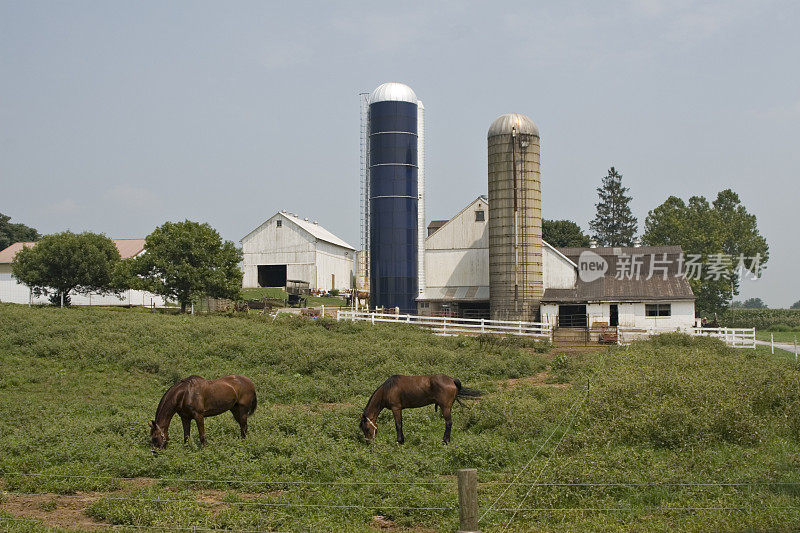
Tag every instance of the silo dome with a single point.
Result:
(504, 123)
(393, 92)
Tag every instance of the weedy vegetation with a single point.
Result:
(678, 432)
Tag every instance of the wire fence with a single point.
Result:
(495, 515)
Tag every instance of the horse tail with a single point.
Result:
(253, 405)
(457, 383)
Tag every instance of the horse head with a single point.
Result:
(368, 427)
(158, 436)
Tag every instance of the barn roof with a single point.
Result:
(672, 286)
(317, 231)
(127, 248)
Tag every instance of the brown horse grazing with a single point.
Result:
(399, 392)
(195, 398)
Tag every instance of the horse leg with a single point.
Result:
(187, 428)
(398, 424)
(201, 428)
(448, 423)
(240, 416)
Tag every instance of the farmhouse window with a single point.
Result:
(480, 216)
(279, 223)
(658, 310)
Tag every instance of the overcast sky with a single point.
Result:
(117, 116)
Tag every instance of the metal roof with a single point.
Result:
(127, 248)
(317, 231)
(504, 123)
(393, 92)
(660, 287)
(475, 293)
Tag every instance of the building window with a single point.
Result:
(424, 305)
(279, 223)
(480, 216)
(658, 310)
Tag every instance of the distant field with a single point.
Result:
(762, 319)
(780, 336)
(675, 420)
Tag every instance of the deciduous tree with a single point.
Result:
(184, 260)
(11, 233)
(710, 231)
(563, 233)
(65, 263)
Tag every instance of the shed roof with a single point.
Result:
(476, 293)
(670, 286)
(127, 248)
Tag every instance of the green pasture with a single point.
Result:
(780, 336)
(259, 293)
(671, 422)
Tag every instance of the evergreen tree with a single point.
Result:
(614, 224)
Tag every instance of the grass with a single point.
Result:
(780, 336)
(77, 387)
(259, 293)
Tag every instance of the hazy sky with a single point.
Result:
(117, 116)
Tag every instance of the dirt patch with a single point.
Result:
(55, 510)
(67, 511)
(538, 380)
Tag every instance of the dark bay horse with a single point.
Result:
(195, 398)
(400, 392)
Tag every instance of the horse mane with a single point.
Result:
(390, 382)
(183, 381)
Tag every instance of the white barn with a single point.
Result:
(457, 269)
(12, 291)
(287, 247)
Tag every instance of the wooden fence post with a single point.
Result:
(468, 500)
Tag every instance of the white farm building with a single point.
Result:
(12, 291)
(287, 247)
(457, 268)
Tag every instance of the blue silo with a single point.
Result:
(394, 200)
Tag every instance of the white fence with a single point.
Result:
(734, 337)
(455, 326)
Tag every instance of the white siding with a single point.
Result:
(285, 245)
(337, 261)
(13, 292)
(632, 314)
(457, 254)
(306, 258)
(557, 271)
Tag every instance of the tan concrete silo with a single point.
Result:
(515, 219)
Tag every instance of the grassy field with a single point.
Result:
(766, 319)
(780, 336)
(259, 293)
(691, 434)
